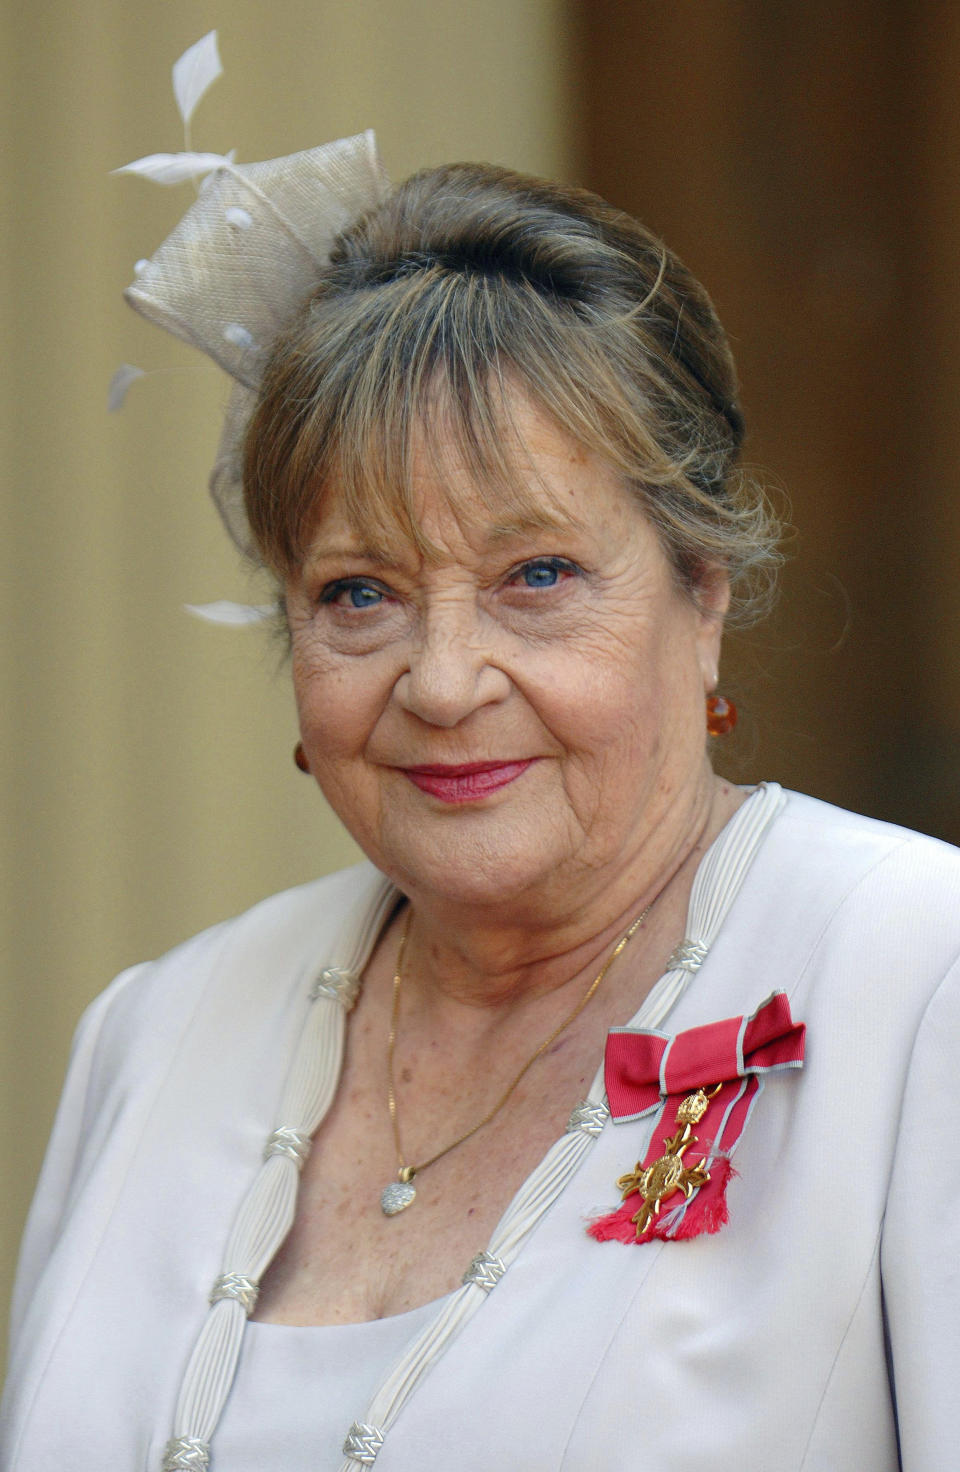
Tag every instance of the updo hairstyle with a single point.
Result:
(469, 281)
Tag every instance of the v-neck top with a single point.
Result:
(286, 1410)
(817, 1331)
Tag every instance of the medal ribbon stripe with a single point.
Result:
(688, 1080)
(643, 1068)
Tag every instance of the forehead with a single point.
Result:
(535, 476)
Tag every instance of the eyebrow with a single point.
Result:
(363, 552)
(501, 533)
(524, 526)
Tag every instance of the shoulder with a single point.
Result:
(861, 917)
(810, 816)
(212, 1021)
(326, 912)
(856, 919)
(244, 971)
(877, 861)
(177, 1069)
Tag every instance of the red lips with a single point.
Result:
(468, 782)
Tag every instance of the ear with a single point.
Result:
(711, 592)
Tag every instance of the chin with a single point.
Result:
(468, 874)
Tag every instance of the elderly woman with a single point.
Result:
(429, 1163)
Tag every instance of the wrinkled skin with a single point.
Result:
(568, 655)
(572, 647)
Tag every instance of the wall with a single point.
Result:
(802, 159)
(148, 784)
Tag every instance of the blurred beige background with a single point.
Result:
(148, 783)
(802, 156)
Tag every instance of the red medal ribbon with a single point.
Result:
(647, 1071)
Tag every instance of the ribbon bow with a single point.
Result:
(709, 1078)
(643, 1068)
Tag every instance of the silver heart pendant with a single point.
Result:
(396, 1197)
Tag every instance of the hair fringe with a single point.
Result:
(467, 285)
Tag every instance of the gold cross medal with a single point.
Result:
(676, 1190)
(658, 1182)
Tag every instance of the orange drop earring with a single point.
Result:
(300, 757)
(721, 715)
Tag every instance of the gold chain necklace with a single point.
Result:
(399, 1194)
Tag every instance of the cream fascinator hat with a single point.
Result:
(244, 258)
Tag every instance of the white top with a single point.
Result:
(285, 1410)
(818, 1326)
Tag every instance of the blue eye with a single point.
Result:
(361, 595)
(355, 592)
(545, 572)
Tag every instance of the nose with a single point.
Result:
(452, 671)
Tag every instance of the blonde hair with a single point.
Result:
(471, 280)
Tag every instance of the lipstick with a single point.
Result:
(468, 782)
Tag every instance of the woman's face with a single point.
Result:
(519, 714)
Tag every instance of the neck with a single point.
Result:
(537, 944)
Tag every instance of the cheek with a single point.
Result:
(632, 709)
(338, 702)
(645, 676)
